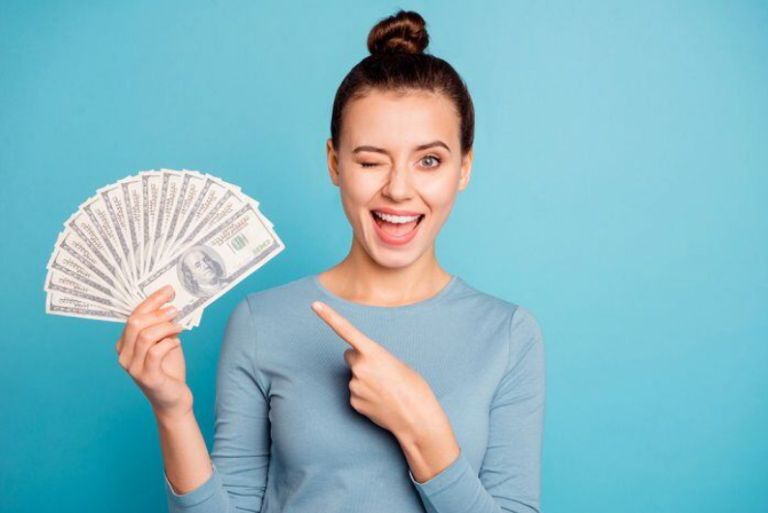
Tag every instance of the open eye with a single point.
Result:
(432, 158)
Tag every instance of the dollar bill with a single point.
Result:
(83, 272)
(216, 262)
(115, 224)
(68, 285)
(74, 254)
(81, 224)
(131, 189)
(209, 199)
(58, 303)
(132, 235)
(151, 182)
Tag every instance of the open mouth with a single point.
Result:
(396, 226)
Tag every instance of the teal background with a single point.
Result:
(619, 192)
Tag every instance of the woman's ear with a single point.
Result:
(333, 161)
(466, 169)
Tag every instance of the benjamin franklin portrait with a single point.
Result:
(201, 271)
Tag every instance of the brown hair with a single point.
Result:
(398, 63)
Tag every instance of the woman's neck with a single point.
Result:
(361, 279)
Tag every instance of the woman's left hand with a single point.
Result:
(384, 388)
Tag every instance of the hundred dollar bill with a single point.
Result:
(60, 282)
(229, 203)
(88, 232)
(237, 190)
(131, 188)
(79, 276)
(192, 184)
(216, 262)
(58, 303)
(117, 219)
(205, 209)
(73, 254)
(131, 230)
(81, 271)
(151, 185)
(208, 200)
(160, 217)
(100, 217)
(170, 203)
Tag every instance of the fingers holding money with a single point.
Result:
(141, 329)
(149, 305)
(147, 330)
(155, 300)
(152, 363)
(145, 315)
(147, 339)
(136, 323)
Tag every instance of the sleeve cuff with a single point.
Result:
(200, 494)
(445, 479)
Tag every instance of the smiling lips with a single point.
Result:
(396, 227)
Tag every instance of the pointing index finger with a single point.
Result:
(342, 326)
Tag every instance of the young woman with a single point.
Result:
(383, 384)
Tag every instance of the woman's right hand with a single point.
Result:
(150, 351)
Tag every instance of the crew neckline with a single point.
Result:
(411, 306)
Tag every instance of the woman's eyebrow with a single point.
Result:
(433, 143)
(417, 148)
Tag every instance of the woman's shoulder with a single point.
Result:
(526, 338)
(474, 297)
(487, 304)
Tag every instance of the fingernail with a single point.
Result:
(169, 310)
(318, 306)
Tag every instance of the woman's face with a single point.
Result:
(399, 154)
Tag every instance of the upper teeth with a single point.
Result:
(396, 219)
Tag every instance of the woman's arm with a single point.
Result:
(235, 477)
(185, 455)
(150, 351)
(510, 477)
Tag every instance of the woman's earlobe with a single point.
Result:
(333, 163)
(335, 178)
(333, 171)
(466, 169)
(464, 180)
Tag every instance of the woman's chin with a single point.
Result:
(392, 257)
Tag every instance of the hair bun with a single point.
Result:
(403, 32)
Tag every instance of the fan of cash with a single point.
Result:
(190, 230)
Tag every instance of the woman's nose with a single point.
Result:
(399, 185)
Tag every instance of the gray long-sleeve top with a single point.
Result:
(286, 439)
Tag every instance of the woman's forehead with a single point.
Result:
(388, 119)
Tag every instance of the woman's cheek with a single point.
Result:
(440, 197)
(360, 187)
(355, 197)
